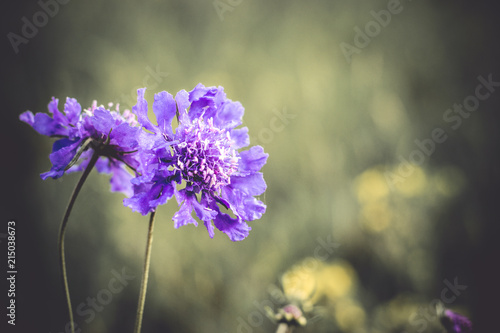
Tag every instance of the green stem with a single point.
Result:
(145, 276)
(62, 231)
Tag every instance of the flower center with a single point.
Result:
(205, 157)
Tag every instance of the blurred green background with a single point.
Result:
(337, 129)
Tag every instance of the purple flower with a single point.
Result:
(199, 163)
(455, 323)
(111, 134)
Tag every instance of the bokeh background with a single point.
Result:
(338, 132)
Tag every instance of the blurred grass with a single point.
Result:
(326, 170)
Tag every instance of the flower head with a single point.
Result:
(452, 321)
(111, 134)
(199, 163)
(455, 323)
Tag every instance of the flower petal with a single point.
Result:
(183, 215)
(102, 120)
(103, 165)
(124, 136)
(243, 205)
(120, 179)
(139, 202)
(56, 114)
(165, 108)
(72, 109)
(165, 193)
(206, 214)
(456, 323)
(27, 117)
(240, 137)
(253, 184)
(182, 100)
(206, 101)
(252, 160)
(236, 230)
(141, 110)
(63, 152)
(230, 114)
(45, 125)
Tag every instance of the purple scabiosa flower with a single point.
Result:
(456, 323)
(111, 134)
(199, 163)
(452, 321)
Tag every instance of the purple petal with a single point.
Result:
(457, 323)
(199, 91)
(230, 115)
(252, 160)
(166, 192)
(52, 174)
(165, 108)
(240, 137)
(243, 205)
(253, 209)
(202, 107)
(72, 109)
(236, 230)
(120, 179)
(253, 184)
(206, 101)
(182, 100)
(63, 152)
(148, 164)
(56, 114)
(205, 214)
(103, 165)
(139, 202)
(124, 136)
(203, 211)
(141, 110)
(27, 117)
(84, 128)
(102, 120)
(45, 125)
(183, 216)
(148, 141)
